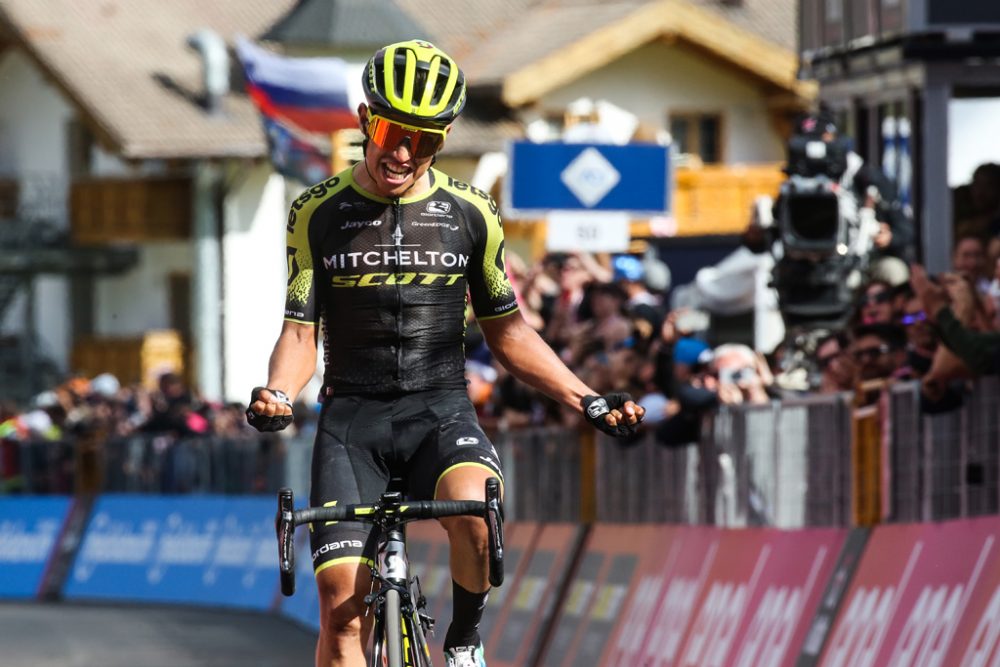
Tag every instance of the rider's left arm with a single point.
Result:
(530, 359)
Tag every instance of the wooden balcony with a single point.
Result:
(114, 210)
(139, 359)
(718, 199)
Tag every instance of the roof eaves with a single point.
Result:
(101, 129)
(674, 18)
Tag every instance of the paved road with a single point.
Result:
(75, 635)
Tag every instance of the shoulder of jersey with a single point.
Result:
(469, 193)
(316, 194)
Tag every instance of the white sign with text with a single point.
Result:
(590, 231)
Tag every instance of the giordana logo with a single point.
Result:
(490, 462)
(358, 224)
(598, 408)
(440, 207)
(334, 546)
(467, 441)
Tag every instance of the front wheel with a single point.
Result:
(393, 624)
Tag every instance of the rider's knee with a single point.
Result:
(341, 615)
(342, 606)
(469, 530)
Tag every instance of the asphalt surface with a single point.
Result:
(76, 635)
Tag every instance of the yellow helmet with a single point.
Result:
(415, 80)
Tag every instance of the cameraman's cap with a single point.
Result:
(692, 351)
(817, 124)
(627, 267)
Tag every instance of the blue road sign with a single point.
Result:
(634, 178)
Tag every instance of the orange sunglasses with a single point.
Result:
(388, 134)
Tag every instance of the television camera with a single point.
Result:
(824, 233)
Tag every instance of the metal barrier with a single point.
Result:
(782, 464)
(37, 467)
(813, 461)
(945, 465)
(144, 464)
(163, 464)
(542, 473)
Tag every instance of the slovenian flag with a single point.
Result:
(309, 94)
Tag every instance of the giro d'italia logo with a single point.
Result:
(590, 177)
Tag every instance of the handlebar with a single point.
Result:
(388, 511)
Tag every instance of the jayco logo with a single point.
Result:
(358, 224)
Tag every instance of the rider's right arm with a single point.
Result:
(293, 360)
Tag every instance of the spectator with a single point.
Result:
(969, 259)
(979, 351)
(741, 375)
(542, 285)
(644, 308)
(982, 217)
(837, 369)
(696, 392)
(879, 350)
(578, 272)
(921, 339)
(520, 276)
(876, 304)
(994, 292)
(607, 327)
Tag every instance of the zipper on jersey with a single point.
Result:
(397, 239)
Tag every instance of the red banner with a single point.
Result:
(714, 597)
(614, 557)
(533, 597)
(923, 594)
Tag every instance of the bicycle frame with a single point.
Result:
(398, 602)
(400, 625)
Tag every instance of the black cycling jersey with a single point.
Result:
(387, 280)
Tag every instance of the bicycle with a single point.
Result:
(401, 622)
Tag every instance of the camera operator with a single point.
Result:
(872, 190)
(835, 223)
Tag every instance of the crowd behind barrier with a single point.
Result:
(809, 461)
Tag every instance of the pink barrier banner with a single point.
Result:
(532, 597)
(607, 575)
(712, 598)
(923, 594)
(427, 546)
(519, 541)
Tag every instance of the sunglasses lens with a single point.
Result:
(388, 135)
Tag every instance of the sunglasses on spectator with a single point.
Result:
(878, 297)
(913, 318)
(870, 352)
(827, 359)
(389, 134)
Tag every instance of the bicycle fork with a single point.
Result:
(407, 608)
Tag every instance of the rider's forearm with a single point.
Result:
(293, 360)
(530, 359)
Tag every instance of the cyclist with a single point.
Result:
(380, 258)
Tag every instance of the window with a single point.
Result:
(79, 147)
(698, 134)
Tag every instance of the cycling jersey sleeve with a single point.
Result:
(491, 291)
(300, 295)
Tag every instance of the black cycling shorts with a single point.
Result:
(364, 441)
